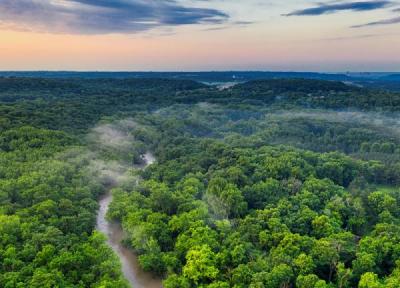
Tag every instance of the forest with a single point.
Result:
(286, 183)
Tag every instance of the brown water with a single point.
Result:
(129, 260)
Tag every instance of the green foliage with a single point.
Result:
(200, 265)
(259, 185)
(47, 214)
(297, 228)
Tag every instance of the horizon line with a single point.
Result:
(200, 71)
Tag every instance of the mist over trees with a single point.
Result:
(271, 183)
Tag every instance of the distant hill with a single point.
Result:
(311, 93)
(392, 77)
(226, 76)
(295, 85)
(30, 88)
(385, 81)
(31, 83)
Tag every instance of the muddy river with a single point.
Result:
(129, 260)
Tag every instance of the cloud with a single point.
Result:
(230, 25)
(390, 21)
(342, 6)
(354, 37)
(102, 16)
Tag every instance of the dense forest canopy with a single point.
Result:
(270, 183)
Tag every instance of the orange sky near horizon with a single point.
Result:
(281, 43)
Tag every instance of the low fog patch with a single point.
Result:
(389, 123)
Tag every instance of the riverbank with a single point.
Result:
(114, 233)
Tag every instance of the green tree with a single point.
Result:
(200, 265)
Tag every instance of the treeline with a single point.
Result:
(74, 105)
(15, 89)
(316, 94)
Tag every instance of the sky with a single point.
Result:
(200, 35)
